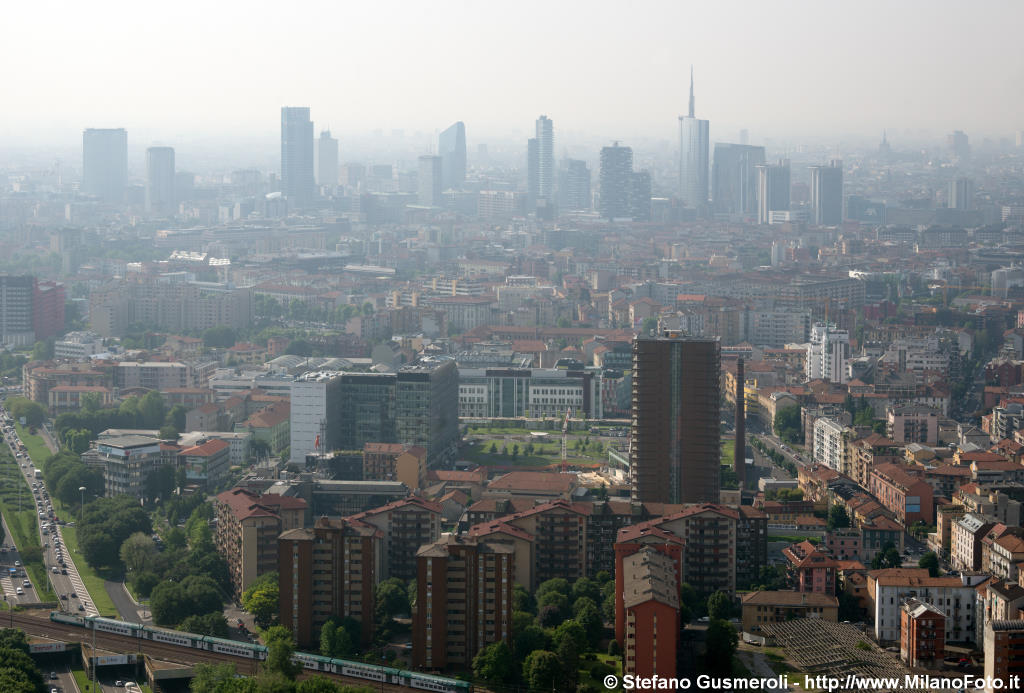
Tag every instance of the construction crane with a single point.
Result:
(565, 433)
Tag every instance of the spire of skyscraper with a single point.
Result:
(691, 91)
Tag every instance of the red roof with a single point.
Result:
(210, 447)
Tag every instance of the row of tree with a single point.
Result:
(77, 429)
(18, 673)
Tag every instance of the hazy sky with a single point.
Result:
(609, 69)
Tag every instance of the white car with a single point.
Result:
(19, 591)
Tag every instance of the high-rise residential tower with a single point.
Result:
(734, 178)
(545, 134)
(297, 155)
(772, 189)
(327, 166)
(961, 194)
(827, 194)
(675, 433)
(430, 172)
(573, 185)
(451, 145)
(694, 139)
(160, 181)
(616, 181)
(105, 163)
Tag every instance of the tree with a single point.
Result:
(219, 337)
(495, 664)
(787, 424)
(572, 630)
(42, 350)
(888, 557)
(555, 600)
(722, 641)
(931, 562)
(106, 523)
(720, 606)
(649, 325)
(569, 655)
(159, 483)
(168, 604)
(208, 624)
(261, 599)
(167, 432)
(137, 551)
(529, 639)
(494, 448)
(542, 670)
(560, 585)
(837, 517)
(153, 409)
(593, 625)
(515, 451)
(521, 621)
(299, 347)
(280, 648)
(584, 587)
(523, 600)
(338, 639)
(391, 599)
(33, 412)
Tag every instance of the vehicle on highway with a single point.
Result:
(19, 591)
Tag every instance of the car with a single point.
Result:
(119, 684)
(81, 608)
(704, 619)
(19, 591)
(17, 564)
(53, 675)
(55, 570)
(63, 571)
(74, 596)
(26, 583)
(63, 596)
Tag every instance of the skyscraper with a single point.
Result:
(297, 155)
(573, 184)
(430, 181)
(961, 194)
(327, 151)
(694, 141)
(105, 163)
(616, 181)
(532, 173)
(545, 134)
(640, 196)
(959, 144)
(827, 194)
(734, 178)
(772, 189)
(451, 145)
(160, 181)
(675, 437)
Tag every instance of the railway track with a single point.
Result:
(125, 644)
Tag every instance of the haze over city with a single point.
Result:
(786, 70)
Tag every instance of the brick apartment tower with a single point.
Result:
(675, 453)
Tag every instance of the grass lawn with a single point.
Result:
(34, 444)
(478, 453)
(586, 665)
(93, 582)
(728, 449)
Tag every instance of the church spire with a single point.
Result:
(691, 91)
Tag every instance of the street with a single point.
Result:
(60, 569)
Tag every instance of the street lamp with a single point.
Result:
(81, 506)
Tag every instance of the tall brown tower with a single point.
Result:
(675, 454)
(739, 455)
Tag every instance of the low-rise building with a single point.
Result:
(126, 462)
(207, 463)
(966, 534)
(904, 492)
(954, 596)
(776, 606)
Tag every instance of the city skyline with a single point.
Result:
(816, 85)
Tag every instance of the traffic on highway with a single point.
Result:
(61, 571)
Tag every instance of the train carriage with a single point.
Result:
(172, 637)
(313, 662)
(109, 625)
(361, 671)
(234, 647)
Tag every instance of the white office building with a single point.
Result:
(828, 353)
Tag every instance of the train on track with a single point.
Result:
(342, 667)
